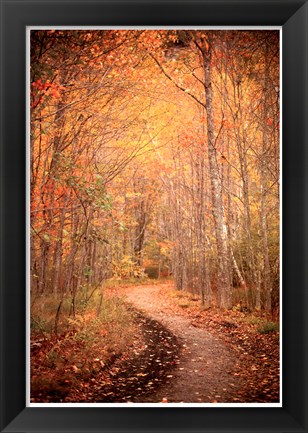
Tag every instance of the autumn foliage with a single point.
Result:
(154, 154)
(156, 151)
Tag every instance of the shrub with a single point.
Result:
(268, 327)
(86, 343)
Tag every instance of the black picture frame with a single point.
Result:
(15, 16)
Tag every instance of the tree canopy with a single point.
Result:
(156, 152)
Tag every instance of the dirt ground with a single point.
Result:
(200, 367)
(179, 353)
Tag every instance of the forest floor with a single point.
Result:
(179, 352)
(209, 357)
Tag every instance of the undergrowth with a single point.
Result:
(258, 321)
(268, 327)
(84, 342)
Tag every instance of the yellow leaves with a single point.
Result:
(133, 194)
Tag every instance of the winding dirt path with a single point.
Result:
(205, 371)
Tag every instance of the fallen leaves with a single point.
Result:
(258, 354)
(149, 362)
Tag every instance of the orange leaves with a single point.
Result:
(39, 85)
(41, 90)
(152, 39)
(103, 332)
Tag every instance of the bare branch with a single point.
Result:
(174, 82)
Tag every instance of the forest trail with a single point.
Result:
(175, 352)
(130, 174)
(206, 368)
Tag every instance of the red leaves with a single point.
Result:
(41, 90)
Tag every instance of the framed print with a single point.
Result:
(153, 218)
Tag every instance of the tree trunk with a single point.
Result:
(223, 283)
(263, 177)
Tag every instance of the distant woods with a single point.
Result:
(156, 153)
